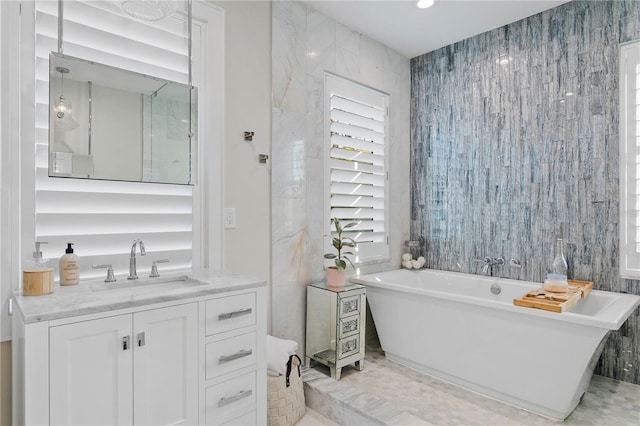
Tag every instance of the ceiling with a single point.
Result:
(402, 26)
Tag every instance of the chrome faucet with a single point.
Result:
(132, 260)
(489, 263)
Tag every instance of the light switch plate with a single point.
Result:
(229, 218)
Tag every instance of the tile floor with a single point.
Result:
(313, 418)
(388, 393)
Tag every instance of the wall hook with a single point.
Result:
(248, 136)
(262, 158)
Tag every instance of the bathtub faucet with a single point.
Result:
(489, 263)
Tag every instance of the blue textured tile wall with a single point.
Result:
(515, 143)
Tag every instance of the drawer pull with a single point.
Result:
(229, 315)
(231, 399)
(241, 354)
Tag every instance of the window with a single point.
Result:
(103, 217)
(630, 160)
(356, 155)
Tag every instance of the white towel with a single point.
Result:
(278, 353)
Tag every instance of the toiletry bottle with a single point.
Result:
(37, 275)
(69, 267)
(557, 279)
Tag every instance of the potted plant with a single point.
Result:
(336, 274)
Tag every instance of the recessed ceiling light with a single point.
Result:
(423, 4)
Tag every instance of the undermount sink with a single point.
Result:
(124, 283)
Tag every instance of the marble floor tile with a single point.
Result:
(391, 394)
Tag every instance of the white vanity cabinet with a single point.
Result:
(140, 367)
(198, 359)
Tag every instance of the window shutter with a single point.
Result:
(102, 218)
(630, 160)
(357, 169)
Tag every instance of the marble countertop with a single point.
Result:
(96, 296)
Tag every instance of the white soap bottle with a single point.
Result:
(69, 267)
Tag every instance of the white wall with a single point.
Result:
(307, 43)
(247, 187)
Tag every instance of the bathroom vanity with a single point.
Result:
(181, 349)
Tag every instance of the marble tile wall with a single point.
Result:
(305, 44)
(515, 142)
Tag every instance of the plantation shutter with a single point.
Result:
(102, 218)
(630, 160)
(358, 139)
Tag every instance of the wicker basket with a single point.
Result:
(285, 396)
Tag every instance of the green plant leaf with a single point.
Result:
(350, 262)
(349, 225)
(341, 264)
(330, 256)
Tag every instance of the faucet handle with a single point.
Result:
(110, 275)
(515, 263)
(154, 267)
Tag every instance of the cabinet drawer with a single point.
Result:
(230, 354)
(229, 401)
(229, 313)
(244, 420)
(348, 346)
(349, 326)
(349, 306)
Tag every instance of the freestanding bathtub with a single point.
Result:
(451, 326)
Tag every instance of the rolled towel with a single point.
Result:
(406, 256)
(278, 353)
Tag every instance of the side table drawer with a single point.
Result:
(349, 305)
(229, 313)
(230, 354)
(348, 326)
(229, 400)
(348, 346)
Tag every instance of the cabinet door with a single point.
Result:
(90, 372)
(166, 366)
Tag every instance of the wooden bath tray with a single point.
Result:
(556, 302)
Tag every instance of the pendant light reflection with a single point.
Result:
(423, 4)
(62, 106)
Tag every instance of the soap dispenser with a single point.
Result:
(37, 275)
(69, 267)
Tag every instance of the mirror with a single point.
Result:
(113, 124)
